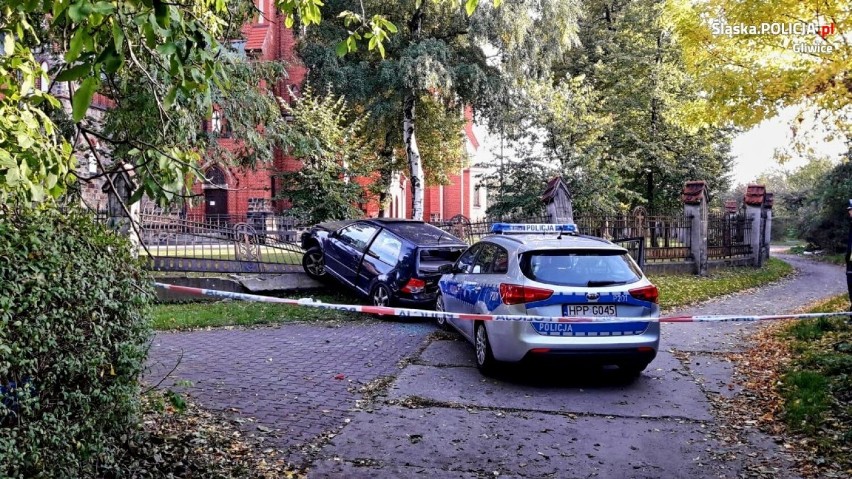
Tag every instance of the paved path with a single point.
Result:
(436, 415)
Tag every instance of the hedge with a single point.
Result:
(74, 332)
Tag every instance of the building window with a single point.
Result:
(219, 125)
(477, 197)
(434, 217)
(261, 5)
(215, 178)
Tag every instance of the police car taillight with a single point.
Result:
(516, 294)
(413, 285)
(646, 293)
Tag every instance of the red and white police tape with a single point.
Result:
(419, 313)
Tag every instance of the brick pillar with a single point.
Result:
(754, 198)
(695, 198)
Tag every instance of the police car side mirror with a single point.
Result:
(446, 269)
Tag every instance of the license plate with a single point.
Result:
(589, 310)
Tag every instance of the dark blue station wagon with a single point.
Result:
(389, 261)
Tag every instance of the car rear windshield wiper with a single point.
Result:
(604, 283)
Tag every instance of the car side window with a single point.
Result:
(485, 259)
(357, 235)
(386, 247)
(501, 262)
(465, 261)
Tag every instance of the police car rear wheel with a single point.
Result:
(381, 296)
(439, 307)
(484, 357)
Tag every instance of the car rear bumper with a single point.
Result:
(514, 341)
(419, 301)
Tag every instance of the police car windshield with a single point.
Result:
(590, 268)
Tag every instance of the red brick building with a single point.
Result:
(238, 191)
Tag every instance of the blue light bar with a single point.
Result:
(523, 228)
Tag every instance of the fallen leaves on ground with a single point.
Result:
(197, 443)
(760, 371)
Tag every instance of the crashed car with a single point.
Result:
(389, 261)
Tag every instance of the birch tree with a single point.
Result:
(444, 56)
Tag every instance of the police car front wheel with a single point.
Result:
(441, 321)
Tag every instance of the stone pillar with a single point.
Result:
(695, 199)
(118, 205)
(768, 201)
(754, 212)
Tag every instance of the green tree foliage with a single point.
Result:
(821, 212)
(73, 339)
(519, 181)
(749, 77)
(170, 50)
(334, 152)
(434, 66)
(611, 114)
(173, 47)
(138, 136)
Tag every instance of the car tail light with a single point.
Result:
(414, 285)
(648, 293)
(516, 294)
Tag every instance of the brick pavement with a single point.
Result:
(284, 379)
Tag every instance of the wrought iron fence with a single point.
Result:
(664, 238)
(251, 243)
(728, 235)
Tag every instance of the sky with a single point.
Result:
(754, 150)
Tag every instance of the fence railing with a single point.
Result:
(665, 238)
(251, 243)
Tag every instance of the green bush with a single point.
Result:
(73, 339)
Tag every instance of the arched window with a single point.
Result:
(215, 178)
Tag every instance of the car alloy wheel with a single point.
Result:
(381, 296)
(484, 357)
(439, 307)
(313, 263)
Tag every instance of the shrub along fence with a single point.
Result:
(74, 334)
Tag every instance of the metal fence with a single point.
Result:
(249, 243)
(728, 235)
(649, 238)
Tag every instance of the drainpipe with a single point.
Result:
(441, 201)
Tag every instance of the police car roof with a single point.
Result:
(536, 241)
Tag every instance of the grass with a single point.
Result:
(682, 290)
(817, 383)
(242, 313)
(835, 258)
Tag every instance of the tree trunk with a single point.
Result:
(412, 152)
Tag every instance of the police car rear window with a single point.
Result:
(590, 268)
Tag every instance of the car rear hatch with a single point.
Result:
(586, 283)
(431, 258)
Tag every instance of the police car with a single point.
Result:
(550, 270)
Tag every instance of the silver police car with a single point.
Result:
(550, 270)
